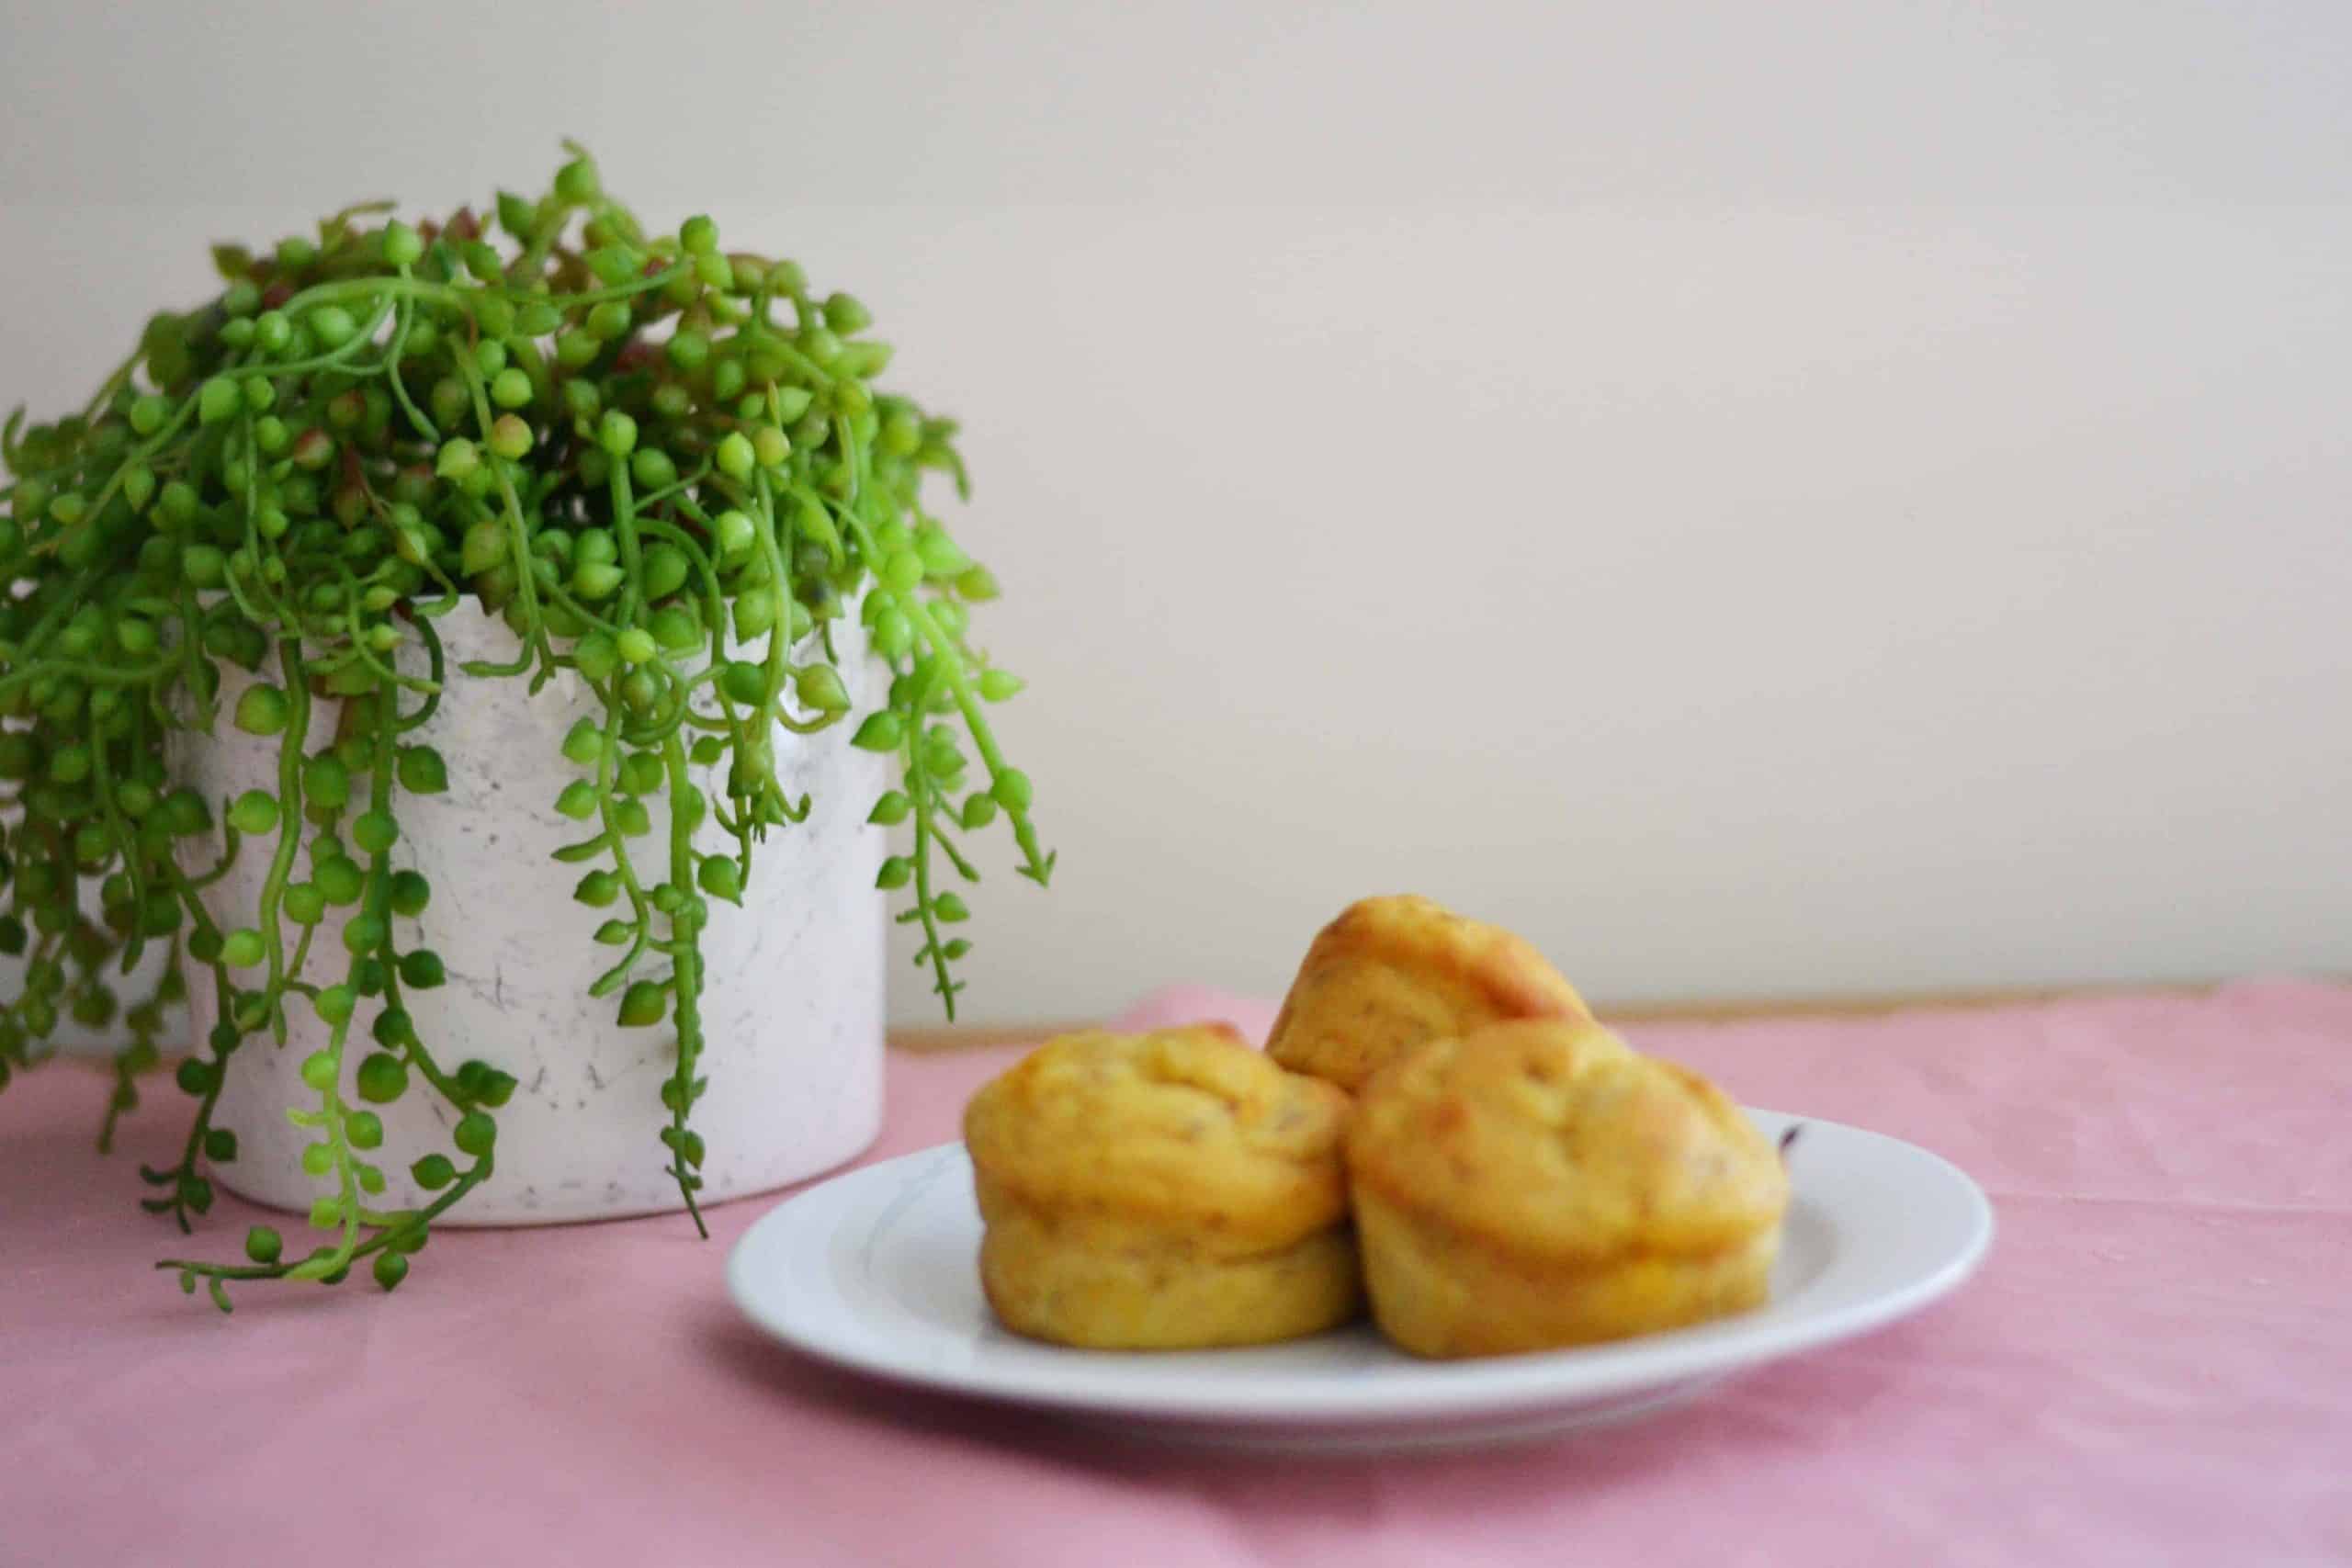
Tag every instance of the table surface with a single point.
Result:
(2155, 1366)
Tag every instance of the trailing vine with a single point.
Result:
(664, 466)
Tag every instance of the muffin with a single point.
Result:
(1393, 973)
(1167, 1191)
(1538, 1184)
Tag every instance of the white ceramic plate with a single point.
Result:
(875, 1271)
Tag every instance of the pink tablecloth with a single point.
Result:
(2154, 1367)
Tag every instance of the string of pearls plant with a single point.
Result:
(663, 463)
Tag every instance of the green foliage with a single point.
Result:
(664, 466)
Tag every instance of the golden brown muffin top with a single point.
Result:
(1392, 973)
(1554, 1141)
(1187, 1127)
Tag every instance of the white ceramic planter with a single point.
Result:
(793, 1001)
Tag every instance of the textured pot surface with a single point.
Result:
(792, 1003)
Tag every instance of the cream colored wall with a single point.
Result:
(1763, 499)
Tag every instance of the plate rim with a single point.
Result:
(1463, 1389)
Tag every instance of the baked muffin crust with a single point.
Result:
(1391, 974)
(1539, 1183)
